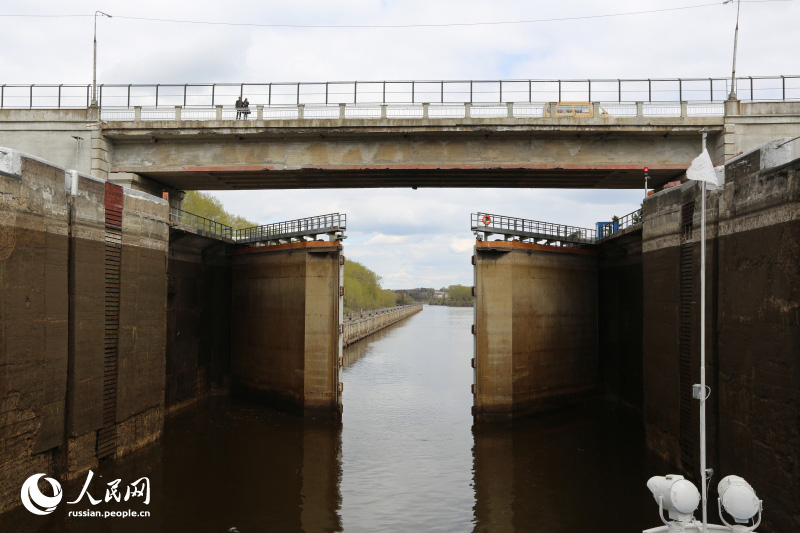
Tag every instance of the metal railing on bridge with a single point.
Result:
(185, 218)
(443, 92)
(530, 230)
(333, 225)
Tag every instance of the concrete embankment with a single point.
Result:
(82, 320)
(357, 328)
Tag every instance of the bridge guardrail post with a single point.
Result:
(137, 113)
(177, 112)
(684, 109)
(383, 110)
(553, 109)
(510, 109)
(639, 109)
(341, 111)
(301, 111)
(259, 112)
(467, 110)
(596, 109)
(425, 107)
(219, 112)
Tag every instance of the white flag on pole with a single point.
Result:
(702, 169)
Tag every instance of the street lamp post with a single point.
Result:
(732, 96)
(94, 62)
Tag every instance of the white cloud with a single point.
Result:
(411, 238)
(462, 245)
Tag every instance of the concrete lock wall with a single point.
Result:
(619, 320)
(286, 325)
(198, 317)
(82, 321)
(753, 336)
(535, 327)
(359, 328)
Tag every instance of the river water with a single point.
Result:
(405, 458)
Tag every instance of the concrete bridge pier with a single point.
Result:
(286, 326)
(535, 328)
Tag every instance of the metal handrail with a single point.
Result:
(489, 223)
(364, 314)
(67, 96)
(330, 224)
(609, 228)
(185, 218)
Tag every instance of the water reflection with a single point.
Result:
(220, 465)
(407, 447)
(576, 470)
(405, 458)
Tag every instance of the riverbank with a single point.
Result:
(359, 327)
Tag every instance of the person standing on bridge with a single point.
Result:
(239, 105)
(246, 109)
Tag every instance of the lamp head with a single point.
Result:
(738, 498)
(679, 496)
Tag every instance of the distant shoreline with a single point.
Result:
(451, 304)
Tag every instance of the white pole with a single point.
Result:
(704, 131)
(732, 96)
(94, 64)
(94, 61)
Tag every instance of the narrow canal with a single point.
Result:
(406, 458)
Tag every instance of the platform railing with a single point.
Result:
(333, 224)
(185, 218)
(534, 230)
(714, 89)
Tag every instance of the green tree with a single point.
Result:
(209, 206)
(362, 290)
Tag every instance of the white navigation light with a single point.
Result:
(677, 495)
(738, 498)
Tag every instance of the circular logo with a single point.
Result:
(36, 502)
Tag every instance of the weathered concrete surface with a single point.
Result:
(143, 324)
(53, 321)
(391, 156)
(359, 328)
(198, 316)
(757, 123)
(285, 326)
(753, 350)
(619, 320)
(535, 328)
(34, 310)
(48, 133)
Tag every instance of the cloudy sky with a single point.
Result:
(411, 238)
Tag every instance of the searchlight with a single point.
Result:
(677, 495)
(739, 500)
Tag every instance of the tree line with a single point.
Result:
(208, 206)
(454, 295)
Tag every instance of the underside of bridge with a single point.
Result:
(499, 176)
(182, 156)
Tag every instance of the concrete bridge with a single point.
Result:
(421, 141)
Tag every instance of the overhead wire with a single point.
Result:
(403, 26)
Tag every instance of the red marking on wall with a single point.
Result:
(495, 245)
(457, 166)
(289, 246)
(113, 206)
